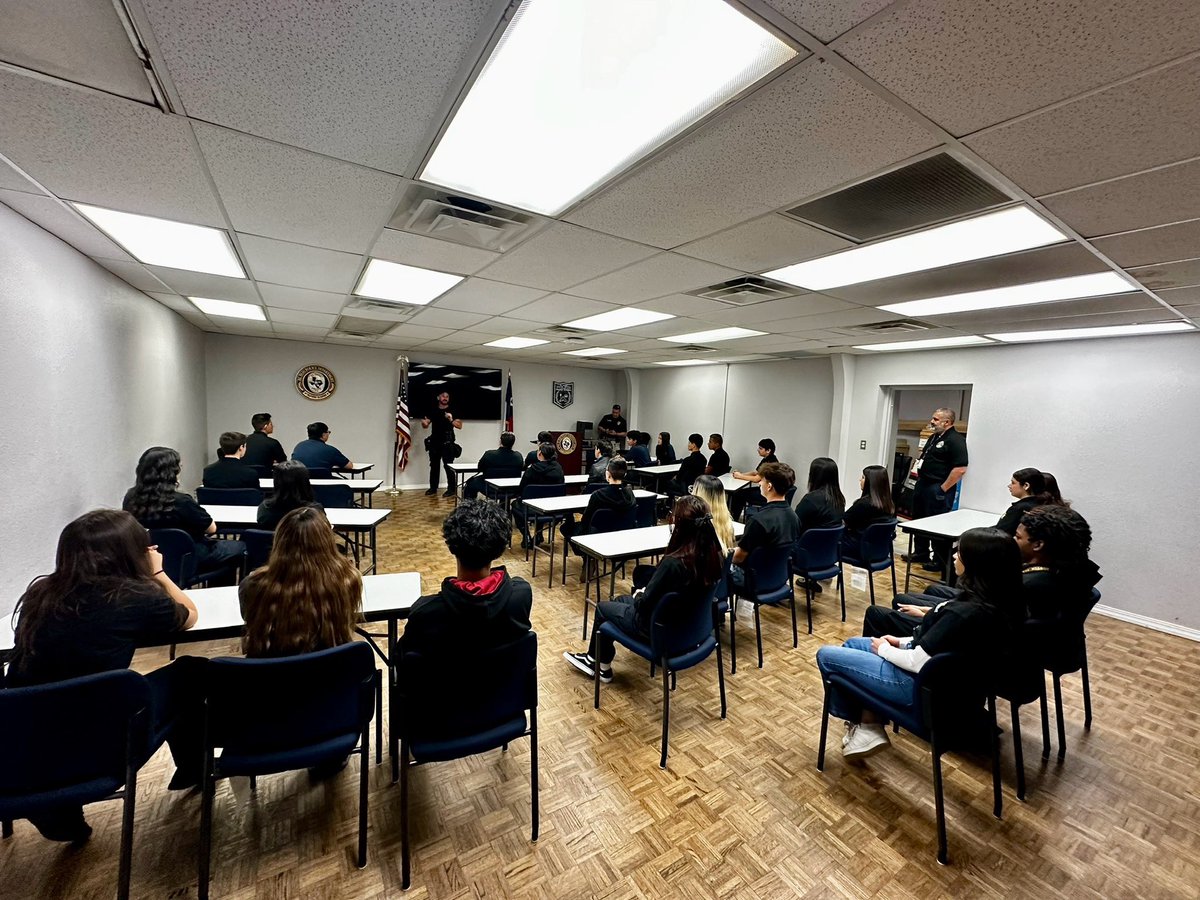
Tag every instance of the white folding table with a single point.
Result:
(945, 525)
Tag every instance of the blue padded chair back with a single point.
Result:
(606, 520)
(537, 491)
(513, 471)
(722, 586)
(875, 544)
(178, 552)
(319, 472)
(1062, 643)
(264, 471)
(646, 515)
(268, 708)
(592, 486)
(454, 707)
(681, 623)
(820, 549)
(207, 496)
(258, 547)
(790, 497)
(768, 571)
(333, 496)
(70, 737)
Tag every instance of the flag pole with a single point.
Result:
(401, 418)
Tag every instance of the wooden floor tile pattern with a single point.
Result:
(741, 811)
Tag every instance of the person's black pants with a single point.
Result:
(440, 456)
(472, 488)
(743, 497)
(930, 500)
(621, 613)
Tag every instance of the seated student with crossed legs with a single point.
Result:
(746, 495)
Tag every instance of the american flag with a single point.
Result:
(403, 429)
(508, 404)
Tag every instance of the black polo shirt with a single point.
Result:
(775, 525)
(441, 428)
(614, 423)
(719, 462)
(263, 450)
(943, 452)
(500, 463)
(229, 472)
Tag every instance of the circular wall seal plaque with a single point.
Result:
(566, 443)
(315, 382)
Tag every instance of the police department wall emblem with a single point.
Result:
(315, 382)
(563, 394)
(566, 443)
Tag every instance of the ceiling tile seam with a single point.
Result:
(1104, 181)
(158, 60)
(1113, 234)
(94, 92)
(1083, 95)
(1165, 262)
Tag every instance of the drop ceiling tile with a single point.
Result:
(1166, 243)
(300, 331)
(767, 342)
(971, 63)
(558, 308)
(12, 180)
(1096, 320)
(105, 150)
(666, 273)
(280, 262)
(665, 328)
(444, 346)
(298, 298)
(489, 297)
(806, 131)
(1127, 128)
(63, 223)
(1185, 273)
(501, 325)
(198, 284)
(684, 305)
(760, 316)
(826, 19)
(1192, 312)
(562, 255)
(464, 339)
(280, 316)
(768, 242)
(281, 192)
(173, 301)
(850, 317)
(134, 274)
(430, 253)
(447, 318)
(360, 80)
(995, 319)
(1181, 297)
(1168, 194)
(405, 331)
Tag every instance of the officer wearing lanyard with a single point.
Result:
(942, 465)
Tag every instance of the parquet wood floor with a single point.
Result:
(741, 812)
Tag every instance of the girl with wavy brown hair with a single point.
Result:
(307, 597)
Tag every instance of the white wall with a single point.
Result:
(789, 401)
(96, 372)
(1114, 420)
(248, 375)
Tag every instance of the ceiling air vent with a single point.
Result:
(381, 309)
(358, 327)
(434, 213)
(893, 326)
(695, 348)
(563, 333)
(747, 290)
(930, 190)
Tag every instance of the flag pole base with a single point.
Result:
(392, 491)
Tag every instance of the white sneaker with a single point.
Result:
(850, 726)
(865, 740)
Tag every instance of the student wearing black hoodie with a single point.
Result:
(480, 607)
(615, 495)
(546, 470)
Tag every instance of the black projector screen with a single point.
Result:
(474, 392)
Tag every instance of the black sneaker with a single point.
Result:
(586, 665)
(914, 559)
(450, 492)
(431, 492)
(933, 566)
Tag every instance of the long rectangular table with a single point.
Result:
(366, 486)
(655, 474)
(462, 471)
(357, 470)
(355, 520)
(945, 525)
(515, 482)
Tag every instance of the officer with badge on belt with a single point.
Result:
(942, 465)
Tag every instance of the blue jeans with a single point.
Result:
(855, 662)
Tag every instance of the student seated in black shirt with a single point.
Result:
(504, 462)
(107, 591)
(317, 452)
(604, 455)
(293, 489)
(616, 495)
(691, 566)
(774, 526)
(747, 494)
(155, 503)
(718, 463)
(262, 450)
(664, 454)
(875, 505)
(637, 455)
(229, 471)
(822, 506)
(690, 468)
(982, 622)
(544, 437)
(1028, 486)
(480, 607)
(546, 470)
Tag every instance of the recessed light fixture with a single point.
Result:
(228, 309)
(615, 320)
(593, 351)
(398, 283)
(929, 344)
(689, 362)
(1076, 287)
(163, 242)
(709, 337)
(515, 343)
(581, 90)
(1006, 231)
(1103, 331)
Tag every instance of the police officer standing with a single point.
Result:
(440, 444)
(942, 465)
(614, 427)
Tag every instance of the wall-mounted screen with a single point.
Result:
(474, 393)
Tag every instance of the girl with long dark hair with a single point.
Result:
(1028, 486)
(292, 489)
(692, 565)
(821, 507)
(982, 619)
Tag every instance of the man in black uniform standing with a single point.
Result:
(942, 465)
(441, 440)
(614, 427)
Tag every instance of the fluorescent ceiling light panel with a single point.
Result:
(163, 242)
(1006, 231)
(515, 343)
(708, 337)
(689, 362)
(930, 344)
(1075, 287)
(229, 309)
(577, 91)
(398, 283)
(1068, 334)
(628, 317)
(593, 351)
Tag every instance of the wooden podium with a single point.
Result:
(569, 445)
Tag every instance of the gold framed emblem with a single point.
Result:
(315, 383)
(566, 443)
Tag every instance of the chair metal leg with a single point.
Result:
(364, 762)
(254, 782)
(871, 584)
(808, 598)
(378, 721)
(404, 862)
(1087, 692)
(1058, 715)
(824, 730)
(6, 828)
(795, 638)
(720, 674)
(939, 805)
(893, 576)
(171, 655)
(994, 738)
(662, 763)
(126, 864)
(1018, 751)
(842, 592)
(673, 685)
(1045, 720)
(533, 771)
(732, 634)
(206, 824)
(758, 634)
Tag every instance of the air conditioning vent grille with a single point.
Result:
(746, 291)
(359, 327)
(892, 326)
(427, 211)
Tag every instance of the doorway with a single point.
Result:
(910, 408)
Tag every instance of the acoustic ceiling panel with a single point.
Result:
(1158, 197)
(968, 64)
(1185, 273)
(12, 180)
(768, 242)
(1181, 297)
(429, 253)
(280, 262)
(198, 284)
(489, 297)
(666, 273)
(281, 316)
(1036, 313)
(134, 274)
(299, 298)
(826, 19)
(63, 223)
(563, 255)
(1153, 245)
(558, 308)
(763, 316)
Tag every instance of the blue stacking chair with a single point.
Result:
(333, 496)
(536, 492)
(817, 557)
(724, 603)
(592, 486)
(948, 689)
(75, 742)
(207, 496)
(318, 472)
(768, 582)
(462, 705)
(1063, 650)
(876, 546)
(258, 547)
(603, 521)
(682, 635)
(647, 515)
(278, 715)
